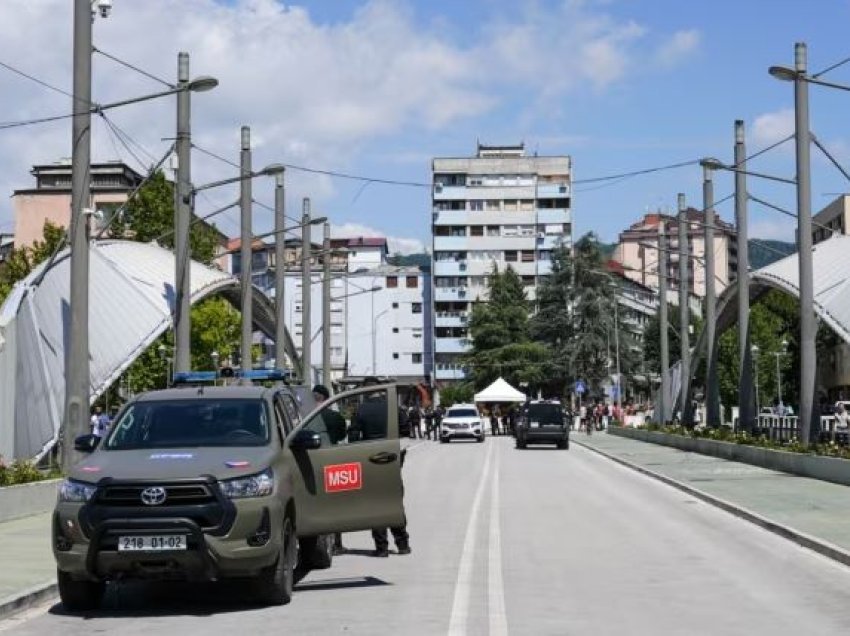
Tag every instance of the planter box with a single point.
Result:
(831, 469)
(27, 499)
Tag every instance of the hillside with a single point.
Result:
(764, 252)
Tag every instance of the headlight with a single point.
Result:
(258, 485)
(78, 491)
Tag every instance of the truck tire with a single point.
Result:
(316, 553)
(275, 583)
(79, 596)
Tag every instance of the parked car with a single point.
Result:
(461, 421)
(543, 422)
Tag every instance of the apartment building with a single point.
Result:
(833, 219)
(50, 199)
(499, 207)
(637, 252)
(380, 314)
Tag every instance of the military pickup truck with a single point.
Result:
(209, 483)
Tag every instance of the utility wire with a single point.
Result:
(271, 209)
(764, 150)
(110, 126)
(123, 133)
(787, 212)
(830, 157)
(39, 81)
(199, 219)
(831, 68)
(31, 122)
(133, 68)
(635, 173)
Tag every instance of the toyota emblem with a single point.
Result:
(153, 496)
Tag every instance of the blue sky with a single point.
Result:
(378, 88)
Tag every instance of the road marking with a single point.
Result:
(495, 583)
(463, 584)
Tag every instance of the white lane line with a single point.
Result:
(495, 583)
(463, 584)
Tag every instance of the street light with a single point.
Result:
(755, 350)
(77, 368)
(778, 354)
(214, 356)
(374, 340)
(168, 360)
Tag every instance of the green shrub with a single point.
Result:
(20, 472)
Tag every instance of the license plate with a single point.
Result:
(534, 424)
(152, 543)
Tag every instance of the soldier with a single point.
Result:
(336, 427)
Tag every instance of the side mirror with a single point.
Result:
(86, 443)
(305, 440)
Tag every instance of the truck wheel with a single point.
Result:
(316, 553)
(275, 583)
(563, 445)
(520, 444)
(79, 596)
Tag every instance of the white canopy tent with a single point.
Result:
(500, 391)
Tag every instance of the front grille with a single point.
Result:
(456, 425)
(175, 495)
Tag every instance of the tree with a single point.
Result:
(575, 317)
(22, 260)
(149, 216)
(501, 345)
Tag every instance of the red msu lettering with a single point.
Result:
(339, 477)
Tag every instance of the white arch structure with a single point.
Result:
(831, 261)
(131, 300)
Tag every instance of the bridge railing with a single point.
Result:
(785, 428)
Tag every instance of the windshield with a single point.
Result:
(462, 413)
(191, 423)
(545, 413)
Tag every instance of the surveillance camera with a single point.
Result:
(104, 6)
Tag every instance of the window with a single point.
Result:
(392, 281)
(527, 256)
(511, 205)
(395, 356)
(492, 230)
(416, 308)
(395, 305)
(412, 282)
(457, 230)
(492, 205)
(416, 358)
(476, 230)
(510, 256)
(476, 205)
(395, 329)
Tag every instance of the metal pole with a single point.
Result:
(662, 311)
(617, 354)
(684, 314)
(778, 382)
(745, 377)
(182, 220)
(326, 306)
(77, 380)
(246, 363)
(279, 269)
(306, 290)
(808, 325)
(712, 390)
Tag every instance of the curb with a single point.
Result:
(820, 546)
(19, 602)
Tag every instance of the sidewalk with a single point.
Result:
(810, 512)
(27, 568)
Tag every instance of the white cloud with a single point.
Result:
(772, 127)
(313, 93)
(396, 244)
(678, 47)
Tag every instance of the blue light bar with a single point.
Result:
(194, 377)
(263, 374)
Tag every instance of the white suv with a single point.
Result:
(461, 421)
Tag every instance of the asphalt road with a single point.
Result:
(504, 541)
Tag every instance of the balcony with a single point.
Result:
(449, 372)
(553, 190)
(451, 345)
(554, 215)
(453, 217)
(451, 319)
(552, 241)
(451, 268)
(447, 193)
(451, 294)
(451, 243)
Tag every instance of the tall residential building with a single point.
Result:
(50, 199)
(499, 207)
(833, 219)
(637, 252)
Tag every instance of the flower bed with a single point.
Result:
(22, 472)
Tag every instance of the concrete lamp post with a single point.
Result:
(808, 323)
(77, 370)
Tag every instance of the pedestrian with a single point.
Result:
(336, 428)
(428, 415)
(415, 420)
(100, 423)
(370, 423)
(842, 417)
(494, 422)
(438, 418)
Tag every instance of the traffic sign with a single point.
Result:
(580, 387)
